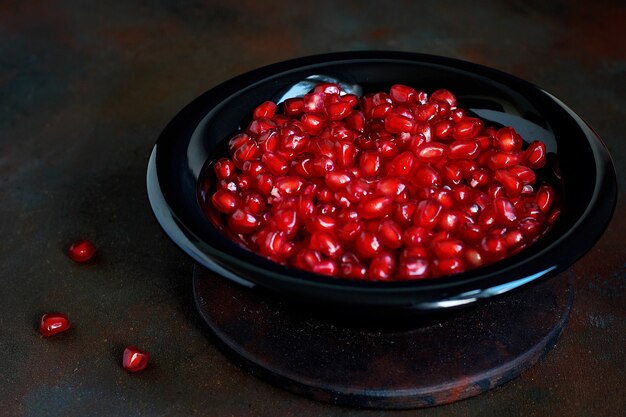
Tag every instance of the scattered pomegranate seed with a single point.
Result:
(135, 360)
(388, 186)
(81, 251)
(53, 323)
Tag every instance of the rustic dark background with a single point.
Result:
(87, 86)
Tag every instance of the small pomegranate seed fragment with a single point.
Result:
(81, 251)
(53, 323)
(134, 359)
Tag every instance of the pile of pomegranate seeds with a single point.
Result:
(389, 186)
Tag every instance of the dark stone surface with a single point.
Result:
(378, 366)
(85, 89)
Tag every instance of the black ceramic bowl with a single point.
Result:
(197, 134)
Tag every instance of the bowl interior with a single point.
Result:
(198, 134)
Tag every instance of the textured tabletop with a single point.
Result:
(87, 86)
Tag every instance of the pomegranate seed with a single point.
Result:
(293, 107)
(375, 208)
(467, 149)
(504, 210)
(535, 155)
(545, 198)
(224, 169)
(427, 213)
(242, 222)
(443, 129)
(367, 245)
(396, 123)
(338, 111)
(402, 165)
(81, 251)
(265, 110)
(402, 93)
(467, 128)
(356, 121)
(259, 126)
(53, 323)
(381, 267)
(224, 201)
(413, 268)
(444, 95)
(390, 234)
(508, 140)
(449, 266)
(326, 267)
(134, 359)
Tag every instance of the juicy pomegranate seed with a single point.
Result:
(381, 267)
(545, 198)
(81, 251)
(224, 169)
(375, 208)
(53, 323)
(396, 123)
(413, 268)
(467, 149)
(508, 140)
(265, 110)
(367, 245)
(402, 93)
(224, 201)
(427, 213)
(467, 128)
(535, 155)
(242, 222)
(338, 111)
(444, 95)
(134, 359)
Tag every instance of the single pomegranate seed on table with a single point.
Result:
(53, 323)
(395, 185)
(134, 359)
(81, 251)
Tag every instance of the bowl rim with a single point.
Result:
(461, 287)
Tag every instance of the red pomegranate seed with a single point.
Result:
(545, 197)
(353, 270)
(413, 268)
(535, 155)
(53, 323)
(449, 266)
(338, 111)
(524, 174)
(402, 165)
(242, 222)
(381, 267)
(397, 123)
(402, 93)
(367, 245)
(224, 201)
(443, 129)
(467, 128)
(508, 140)
(390, 234)
(224, 169)
(444, 95)
(265, 110)
(259, 126)
(431, 151)
(427, 213)
(81, 251)
(134, 359)
(375, 208)
(504, 210)
(467, 149)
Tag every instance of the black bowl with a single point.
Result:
(197, 134)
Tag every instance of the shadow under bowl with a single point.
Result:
(587, 183)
